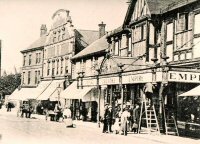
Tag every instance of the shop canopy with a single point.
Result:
(14, 95)
(23, 94)
(193, 92)
(50, 91)
(85, 93)
(29, 93)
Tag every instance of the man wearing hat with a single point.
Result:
(109, 118)
(105, 124)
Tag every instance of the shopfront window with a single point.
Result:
(189, 109)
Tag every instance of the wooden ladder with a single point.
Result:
(150, 119)
(170, 123)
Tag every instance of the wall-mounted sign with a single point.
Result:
(137, 78)
(190, 77)
(108, 80)
(89, 82)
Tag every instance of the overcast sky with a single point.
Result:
(20, 21)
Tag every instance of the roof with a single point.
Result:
(155, 6)
(96, 47)
(88, 36)
(116, 31)
(37, 44)
(177, 4)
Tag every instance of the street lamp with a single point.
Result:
(98, 93)
(59, 90)
(120, 65)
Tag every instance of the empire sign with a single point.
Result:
(190, 77)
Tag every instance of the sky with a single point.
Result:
(20, 22)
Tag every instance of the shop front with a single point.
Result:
(183, 93)
(83, 101)
(126, 88)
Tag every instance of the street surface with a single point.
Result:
(16, 130)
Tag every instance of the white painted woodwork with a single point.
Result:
(140, 10)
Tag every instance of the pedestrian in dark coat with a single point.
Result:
(109, 118)
(136, 115)
(105, 125)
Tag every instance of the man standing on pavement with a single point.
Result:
(136, 115)
(124, 120)
(105, 125)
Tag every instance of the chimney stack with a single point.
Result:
(43, 30)
(102, 30)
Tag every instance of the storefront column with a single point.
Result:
(121, 86)
(111, 95)
(99, 97)
(163, 84)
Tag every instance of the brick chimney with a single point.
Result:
(102, 30)
(43, 30)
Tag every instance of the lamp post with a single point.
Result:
(99, 96)
(120, 65)
(59, 90)
(163, 84)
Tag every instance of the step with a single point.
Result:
(172, 133)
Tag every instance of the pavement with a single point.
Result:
(165, 139)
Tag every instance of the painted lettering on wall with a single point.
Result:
(184, 77)
(109, 80)
(137, 78)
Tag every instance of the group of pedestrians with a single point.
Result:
(125, 120)
(27, 110)
(59, 113)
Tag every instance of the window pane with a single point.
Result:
(169, 52)
(197, 24)
(196, 48)
(170, 32)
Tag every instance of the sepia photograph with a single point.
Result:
(100, 71)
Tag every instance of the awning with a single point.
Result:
(14, 95)
(72, 92)
(193, 92)
(43, 85)
(50, 90)
(23, 94)
(29, 93)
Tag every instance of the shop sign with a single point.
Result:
(176, 76)
(89, 82)
(137, 78)
(109, 80)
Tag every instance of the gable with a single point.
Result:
(60, 17)
(141, 9)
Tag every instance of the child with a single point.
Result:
(135, 127)
(116, 127)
